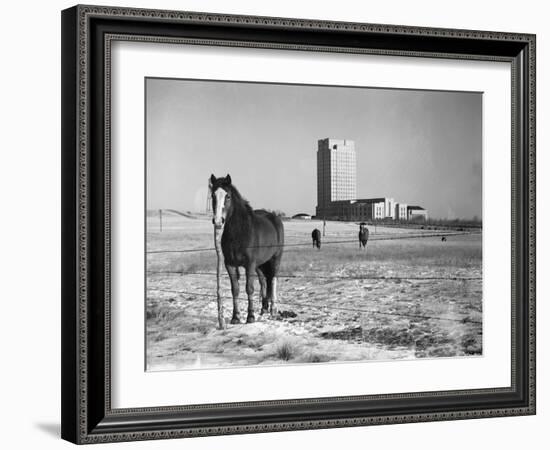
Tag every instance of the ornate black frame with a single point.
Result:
(87, 31)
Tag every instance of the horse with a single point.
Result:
(253, 239)
(316, 238)
(363, 236)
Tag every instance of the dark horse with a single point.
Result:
(316, 238)
(363, 236)
(250, 239)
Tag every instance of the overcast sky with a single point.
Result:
(419, 147)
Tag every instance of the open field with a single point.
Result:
(410, 295)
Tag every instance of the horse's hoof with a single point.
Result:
(235, 321)
(250, 319)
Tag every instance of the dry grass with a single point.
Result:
(377, 319)
(285, 350)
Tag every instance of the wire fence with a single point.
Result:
(329, 307)
(303, 244)
(326, 277)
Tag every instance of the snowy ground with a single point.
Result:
(409, 298)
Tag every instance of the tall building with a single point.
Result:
(337, 188)
(336, 172)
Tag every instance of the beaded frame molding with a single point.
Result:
(87, 35)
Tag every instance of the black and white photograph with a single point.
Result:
(275, 225)
(300, 224)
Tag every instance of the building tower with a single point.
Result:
(336, 172)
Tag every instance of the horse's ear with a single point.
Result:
(228, 179)
(212, 180)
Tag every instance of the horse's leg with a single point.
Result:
(268, 305)
(263, 290)
(274, 297)
(249, 292)
(272, 284)
(233, 273)
(269, 283)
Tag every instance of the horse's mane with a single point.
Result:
(241, 204)
(238, 224)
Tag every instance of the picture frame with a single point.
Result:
(88, 33)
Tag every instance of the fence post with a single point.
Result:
(160, 219)
(219, 271)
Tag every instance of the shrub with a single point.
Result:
(285, 351)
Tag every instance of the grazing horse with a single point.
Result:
(316, 238)
(363, 236)
(250, 239)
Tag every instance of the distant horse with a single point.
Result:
(363, 236)
(250, 239)
(316, 238)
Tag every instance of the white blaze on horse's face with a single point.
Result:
(220, 211)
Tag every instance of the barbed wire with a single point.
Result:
(337, 308)
(309, 244)
(328, 277)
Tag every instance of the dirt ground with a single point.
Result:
(410, 295)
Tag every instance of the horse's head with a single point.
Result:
(221, 190)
